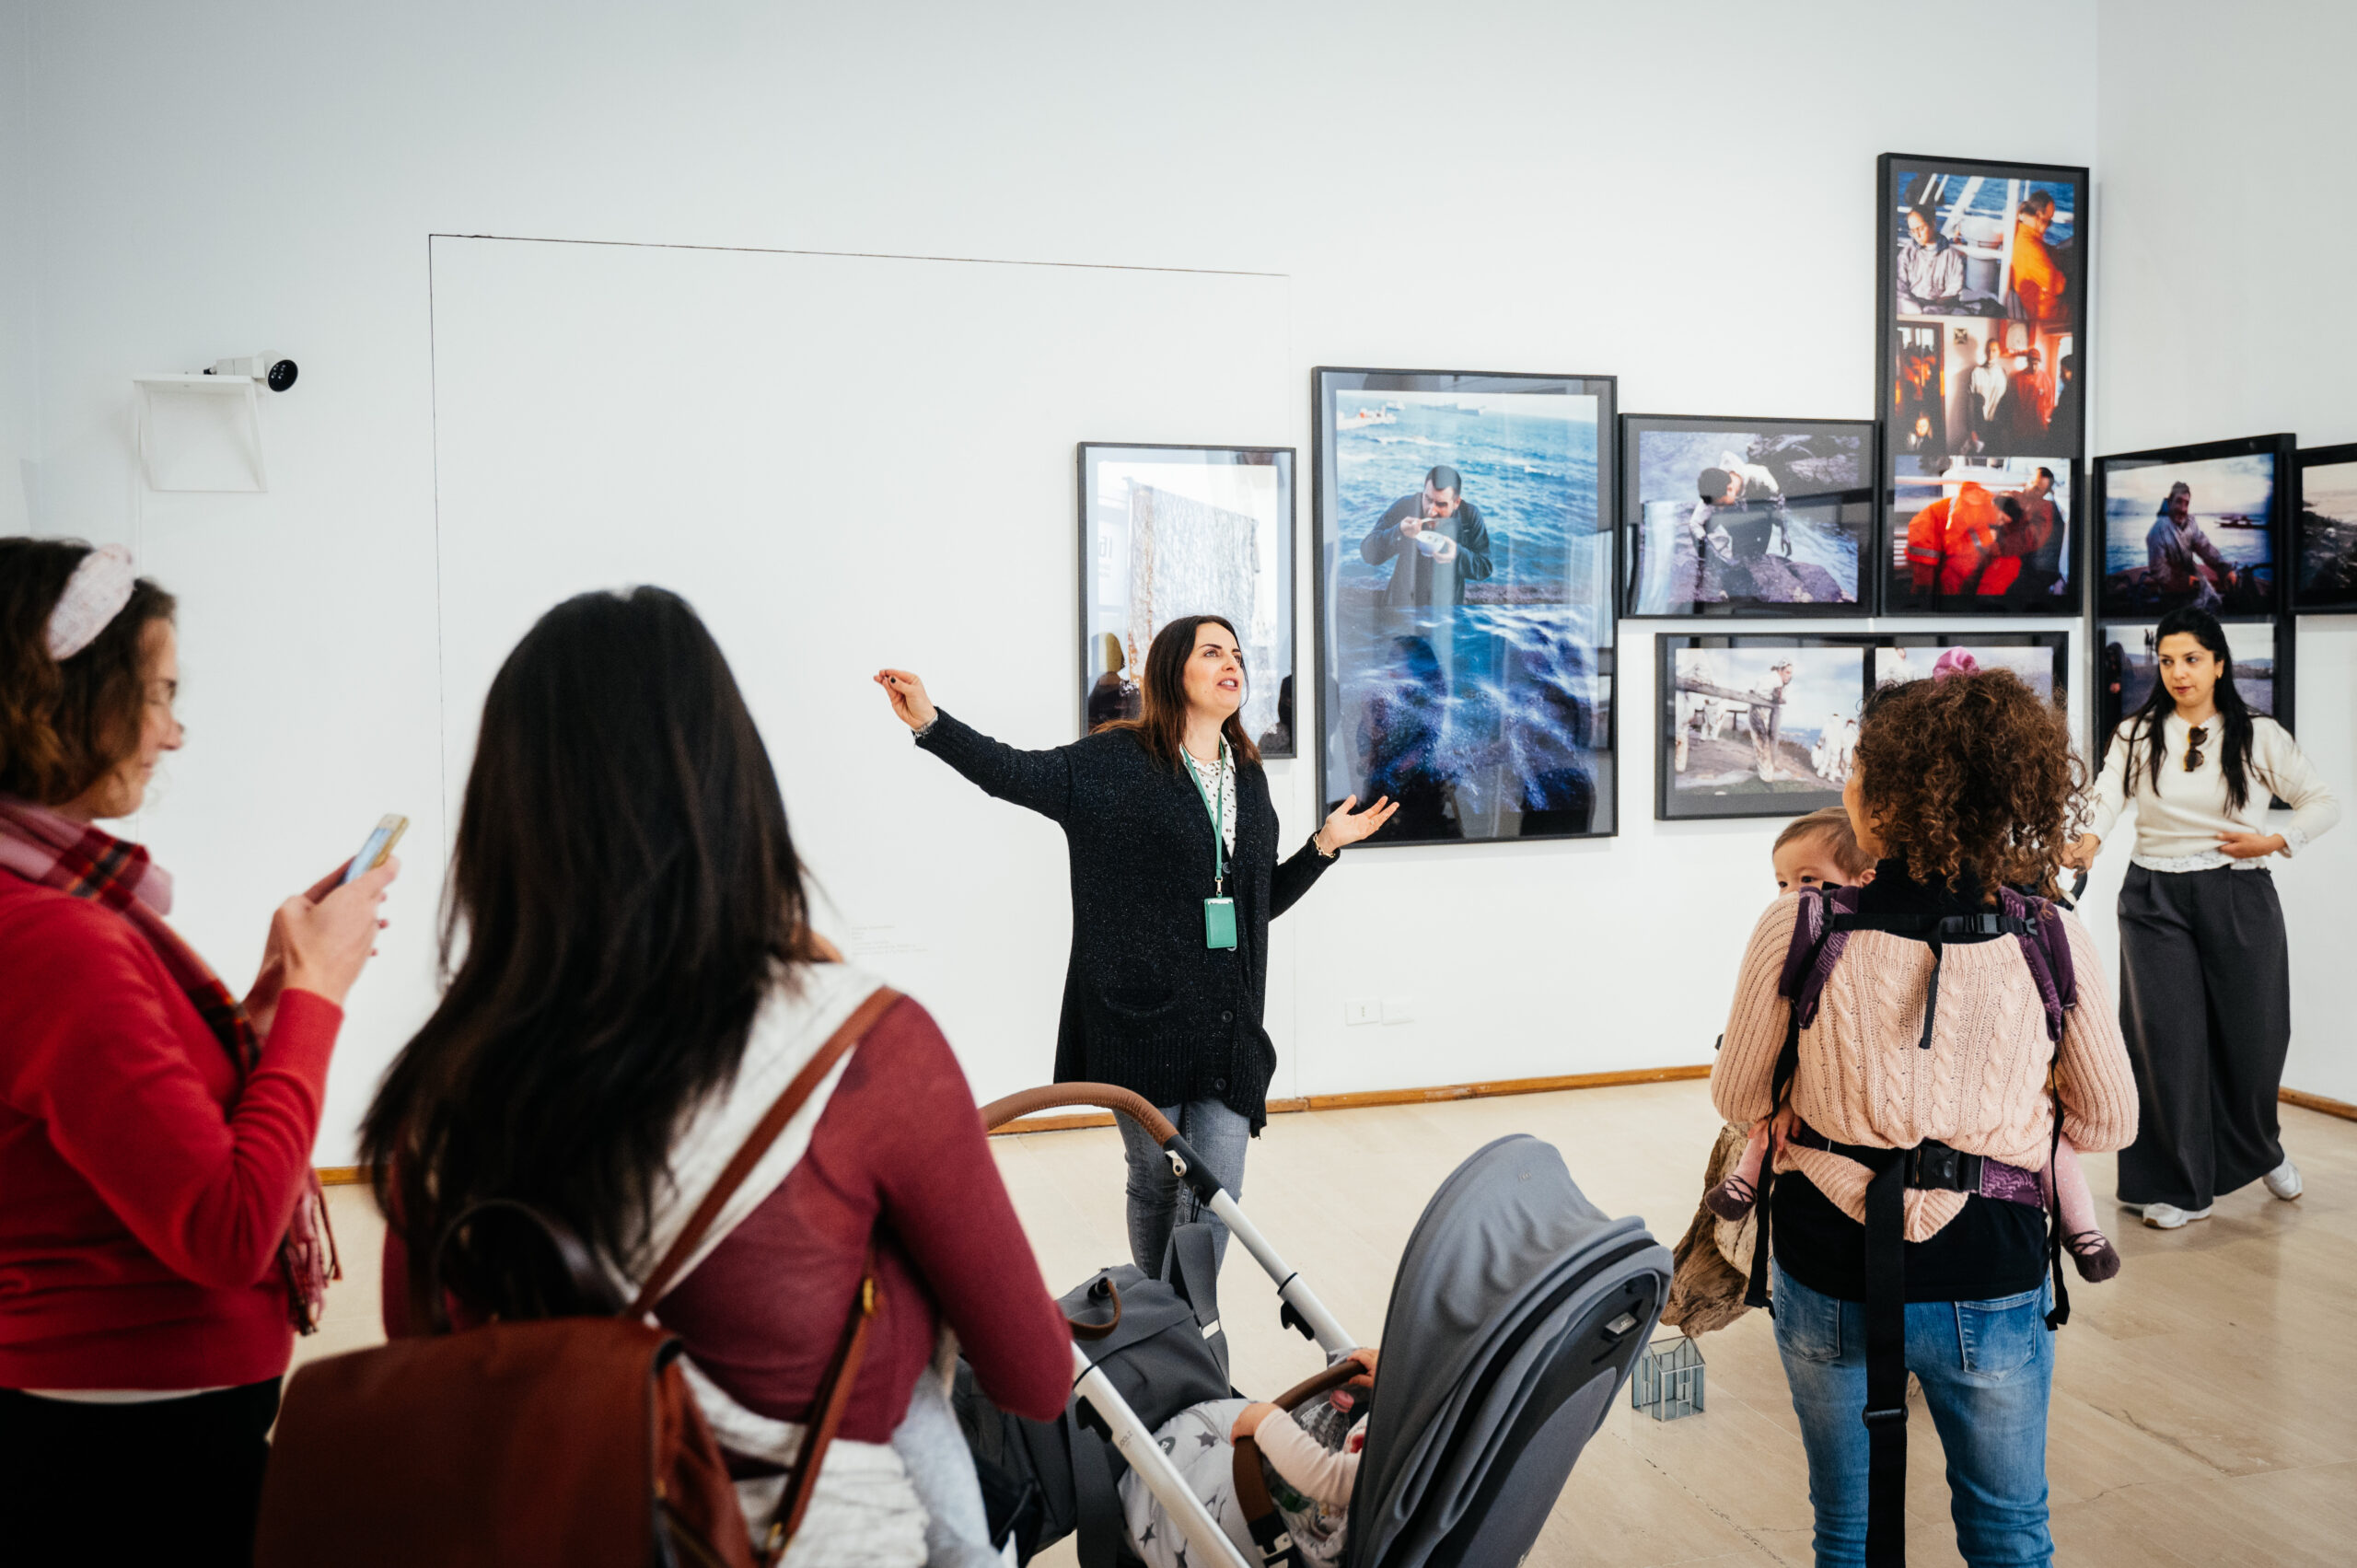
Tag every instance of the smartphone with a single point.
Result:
(381, 840)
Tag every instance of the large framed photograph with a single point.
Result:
(1747, 517)
(2201, 526)
(2326, 535)
(1756, 726)
(2127, 667)
(1981, 306)
(2041, 658)
(1465, 598)
(1167, 531)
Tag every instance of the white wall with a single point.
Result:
(19, 413)
(1678, 195)
(2222, 300)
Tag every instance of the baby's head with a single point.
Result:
(1820, 850)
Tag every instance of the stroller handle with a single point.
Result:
(1105, 1097)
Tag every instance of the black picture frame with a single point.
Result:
(1942, 434)
(1102, 694)
(1689, 703)
(2122, 593)
(1494, 719)
(2116, 689)
(1665, 578)
(2324, 543)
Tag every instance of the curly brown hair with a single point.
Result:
(63, 725)
(1971, 774)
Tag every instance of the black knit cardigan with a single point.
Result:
(1147, 1005)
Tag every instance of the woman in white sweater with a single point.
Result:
(2205, 986)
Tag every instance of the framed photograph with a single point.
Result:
(2041, 658)
(1465, 599)
(1981, 305)
(2125, 661)
(2326, 535)
(2201, 526)
(1747, 517)
(1756, 726)
(1167, 531)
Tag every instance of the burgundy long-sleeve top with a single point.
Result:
(143, 1191)
(899, 1152)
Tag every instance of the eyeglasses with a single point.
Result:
(2195, 740)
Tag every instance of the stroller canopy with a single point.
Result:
(1517, 1313)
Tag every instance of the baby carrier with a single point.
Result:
(1517, 1313)
(1821, 933)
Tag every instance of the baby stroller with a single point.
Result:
(1517, 1313)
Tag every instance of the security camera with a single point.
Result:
(278, 374)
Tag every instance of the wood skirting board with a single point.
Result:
(353, 1174)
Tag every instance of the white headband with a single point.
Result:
(94, 596)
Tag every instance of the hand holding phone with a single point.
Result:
(378, 846)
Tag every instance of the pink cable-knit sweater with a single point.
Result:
(1981, 1087)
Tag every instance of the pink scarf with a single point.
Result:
(42, 847)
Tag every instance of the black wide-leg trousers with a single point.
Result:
(2205, 1003)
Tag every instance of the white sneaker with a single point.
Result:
(2168, 1217)
(2285, 1180)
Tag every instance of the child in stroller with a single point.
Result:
(1309, 1460)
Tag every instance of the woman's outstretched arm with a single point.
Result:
(1040, 779)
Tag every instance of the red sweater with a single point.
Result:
(899, 1151)
(143, 1196)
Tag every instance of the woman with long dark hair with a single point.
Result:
(161, 1234)
(635, 981)
(2205, 979)
(1175, 878)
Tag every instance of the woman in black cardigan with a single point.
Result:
(1170, 912)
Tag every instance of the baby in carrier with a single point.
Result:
(1820, 850)
(1309, 1459)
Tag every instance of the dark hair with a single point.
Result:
(1442, 477)
(65, 723)
(1713, 482)
(1161, 728)
(2048, 474)
(1969, 776)
(2145, 724)
(2011, 506)
(627, 896)
(2038, 201)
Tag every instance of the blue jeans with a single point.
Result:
(1986, 1367)
(1216, 1132)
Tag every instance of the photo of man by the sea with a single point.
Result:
(2127, 664)
(2199, 533)
(1747, 517)
(1979, 534)
(2328, 548)
(1764, 729)
(1985, 282)
(1467, 604)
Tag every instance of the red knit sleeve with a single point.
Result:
(104, 1062)
(945, 1203)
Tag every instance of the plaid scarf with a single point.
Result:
(83, 862)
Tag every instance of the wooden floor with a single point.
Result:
(2205, 1401)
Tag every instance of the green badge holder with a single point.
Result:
(1219, 911)
(1219, 923)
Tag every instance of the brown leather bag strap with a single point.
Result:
(757, 1144)
(826, 1412)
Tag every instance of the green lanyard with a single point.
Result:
(1219, 823)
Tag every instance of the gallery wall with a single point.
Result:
(2222, 309)
(1507, 187)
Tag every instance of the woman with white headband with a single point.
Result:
(161, 1236)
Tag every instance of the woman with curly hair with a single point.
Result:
(1919, 1099)
(2205, 979)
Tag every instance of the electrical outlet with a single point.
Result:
(1362, 1010)
(1398, 1010)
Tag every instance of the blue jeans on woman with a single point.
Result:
(1213, 1129)
(1986, 1366)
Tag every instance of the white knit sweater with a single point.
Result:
(2178, 825)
